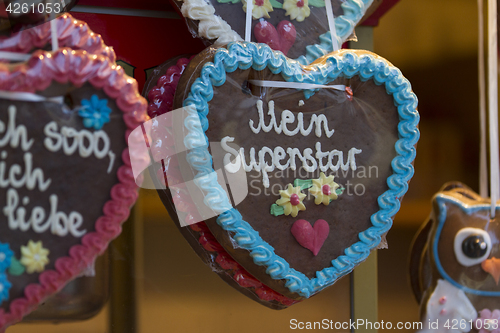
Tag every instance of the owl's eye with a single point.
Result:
(472, 246)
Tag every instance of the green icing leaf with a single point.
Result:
(303, 183)
(228, 1)
(16, 268)
(277, 4)
(317, 3)
(277, 210)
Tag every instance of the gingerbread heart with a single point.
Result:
(223, 21)
(64, 170)
(317, 152)
(70, 32)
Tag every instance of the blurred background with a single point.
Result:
(434, 43)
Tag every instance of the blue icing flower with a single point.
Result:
(95, 112)
(5, 257)
(5, 286)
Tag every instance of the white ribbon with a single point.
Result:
(14, 56)
(53, 29)
(331, 25)
(483, 159)
(248, 23)
(29, 97)
(295, 85)
(493, 104)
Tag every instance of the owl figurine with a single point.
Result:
(455, 264)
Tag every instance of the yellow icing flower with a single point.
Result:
(323, 189)
(291, 200)
(261, 8)
(297, 9)
(34, 257)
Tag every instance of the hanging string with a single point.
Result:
(53, 35)
(248, 26)
(331, 25)
(53, 30)
(29, 97)
(14, 56)
(493, 103)
(483, 160)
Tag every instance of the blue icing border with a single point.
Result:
(344, 26)
(442, 200)
(244, 55)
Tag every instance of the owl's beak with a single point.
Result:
(492, 266)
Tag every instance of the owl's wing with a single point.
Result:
(420, 276)
(448, 310)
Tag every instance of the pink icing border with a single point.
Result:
(79, 67)
(161, 99)
(70, 33)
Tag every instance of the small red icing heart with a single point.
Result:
(287, 34)
(280, 39)
(309, 237)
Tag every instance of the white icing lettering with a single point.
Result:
(231, 167)
(13, 134)
(340, 160)
(101, 136)
(59, 223)
(86, 151)
(288, 117)
(67, 134)
(279, 154)
(31, 177)
(264, 167)
(315, 119)
(85, 142)
(111, 161)
(50, 131)
(308, 159)
(319, 156)
(351, 159)
(293, 152)
(253, 164)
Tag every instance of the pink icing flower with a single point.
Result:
(488, 322)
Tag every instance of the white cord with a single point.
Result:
(248, 25)
(29, 97)
(493, 103)
(483, 159)
(14, 56)
(53, 30)
(331, 25)
(295, 85)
